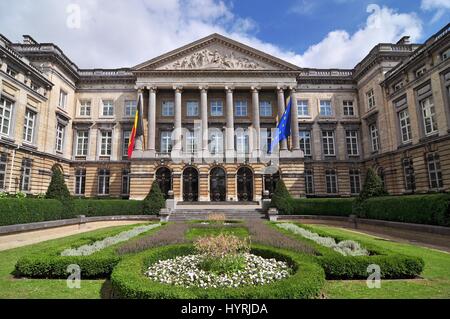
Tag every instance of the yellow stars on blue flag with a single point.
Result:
(284, 127)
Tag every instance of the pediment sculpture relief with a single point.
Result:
(207, 59)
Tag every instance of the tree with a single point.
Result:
(281, 198)
(154, 201)
(57, 188)
(373, 187)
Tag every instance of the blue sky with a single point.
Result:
(308, 33)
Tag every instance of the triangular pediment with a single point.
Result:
(216, 52)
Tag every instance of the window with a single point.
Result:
(370, 96)
(429, 116)
(126, 142)
(397, 86)
(349, 110)
(352, 143)
(25, 175)
(80, 181)
(420, 71)
(3, 161)
(266, 140)
(434, 171)
(303, 108)
(166, 142)
(106, 143)
(355, 182)
(216, 142)
(216, 108)
(305, 142)
(28, 127)
(130, 108)
(373, 129)
(168, 108)
(11, 72)
(405, 126)
(82, 143)
(59, 145)
(408, 171)
(192, 108)
(191, 142)
(445, 55)
(125, 182)
(242, 142)
(85, 108)
(108, 108)
(103, 182)
(5, 116)
(265, 108)
(331, 181)
(309, 181)
(62, 99)
(325, 108)
(328, 143)
(241, 108)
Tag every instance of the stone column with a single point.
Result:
(294, 122)
(256, 132)
(152, 121)
(281, 110)
(178, 127)
(230, 153)
(204, 118)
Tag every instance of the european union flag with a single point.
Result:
(284, 127)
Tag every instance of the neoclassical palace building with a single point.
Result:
(209, 113)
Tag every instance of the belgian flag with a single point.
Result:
(138, 128)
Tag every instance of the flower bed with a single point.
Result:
(129, 278)
(345, 247)
(338, 266)
(186, 271)
(50, 264)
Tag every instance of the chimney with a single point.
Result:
(29, 40)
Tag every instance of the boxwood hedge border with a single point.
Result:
(129, 281)
(337, 266)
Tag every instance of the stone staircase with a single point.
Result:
(232, 211)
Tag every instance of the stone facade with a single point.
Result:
(209, 109)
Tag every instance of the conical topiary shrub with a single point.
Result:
(57, 188)
(155, 201)
(373, 187)
(281, 199)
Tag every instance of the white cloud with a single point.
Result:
(439, 6)
(117, 33)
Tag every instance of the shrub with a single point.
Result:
(15, 211)
(431, 209)
(57, 189)
(107, 207)
(373, 185)
(337, 266)
(130, 282)
(154, 201)
(281, 199)
(220, 246)
(322, 206)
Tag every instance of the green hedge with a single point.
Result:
(321, 206)
(107, 207)
(129, 281)
(433, 209)
(51, 265)
(338, 266)
(21, 211)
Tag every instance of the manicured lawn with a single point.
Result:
(11, 287)
(196, 232)
(435, 282)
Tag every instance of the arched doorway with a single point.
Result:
(270, 182)
(245, 184)
(164, 178)
(190, 185)
(217, 185)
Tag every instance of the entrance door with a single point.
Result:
(245, 184)
(164, 178)
(190, 185)
(217, 183)
(270, 183)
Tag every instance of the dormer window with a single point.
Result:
(420, 71)
(11, 72)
